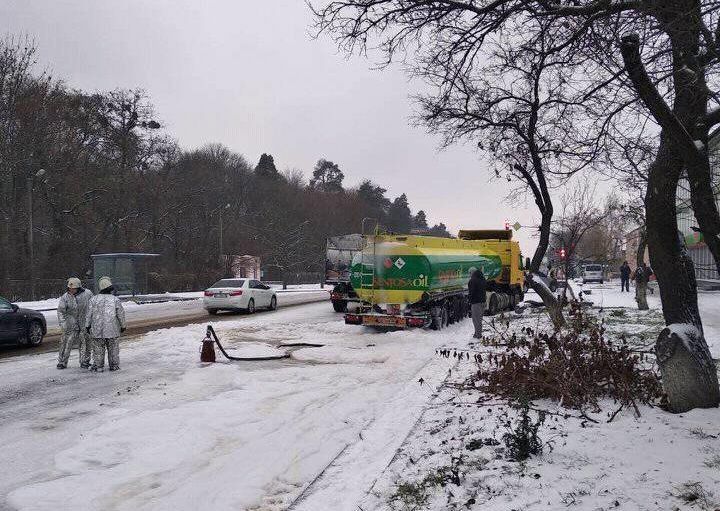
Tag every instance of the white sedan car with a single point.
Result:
(239, 294)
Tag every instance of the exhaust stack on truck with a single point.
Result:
(421, 281)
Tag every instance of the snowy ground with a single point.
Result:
(330, 428)
(608, 296)
(658, 461)
(167, 432)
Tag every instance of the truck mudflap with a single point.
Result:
(387, 320)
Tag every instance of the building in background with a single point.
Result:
(705, 268)
(632, 240)
(242, 266)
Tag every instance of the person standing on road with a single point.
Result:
(105, 322)
(476, 294)
(71, 312)
(625, 277)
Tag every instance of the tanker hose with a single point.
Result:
(211, 332)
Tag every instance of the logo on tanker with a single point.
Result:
(399, 263)
(400, 283)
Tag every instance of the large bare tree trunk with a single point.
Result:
(688, 372)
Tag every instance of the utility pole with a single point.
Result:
(221, 233)
(31, 245)
(220, 210)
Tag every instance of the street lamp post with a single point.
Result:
(220, 210)
(31, 245)
(220, 215)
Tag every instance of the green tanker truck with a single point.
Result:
(421, 281)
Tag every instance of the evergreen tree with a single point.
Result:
(266, 167)
(420, 221)
(327, 176)
(374, 197)
(399, 216)
(440, 230)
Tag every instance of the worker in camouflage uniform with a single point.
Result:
(105, 322)
(72, 311)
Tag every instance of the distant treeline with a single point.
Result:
(114, 181)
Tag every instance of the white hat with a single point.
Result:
(104, 283)
(74, 283)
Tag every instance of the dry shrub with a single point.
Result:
(582, 367)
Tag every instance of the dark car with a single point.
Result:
(20, 326)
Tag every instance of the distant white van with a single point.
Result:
(592, 273)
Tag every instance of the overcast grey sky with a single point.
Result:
(248, 75)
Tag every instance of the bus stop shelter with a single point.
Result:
(128, 271)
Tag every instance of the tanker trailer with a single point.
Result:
(421, 281)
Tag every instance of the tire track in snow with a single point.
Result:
(353, 471)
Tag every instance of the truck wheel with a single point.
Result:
(339, 305)
(437, 318)
(493, 306)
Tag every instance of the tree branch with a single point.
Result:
(648, 93)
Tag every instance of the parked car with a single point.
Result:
(239, 294)
(21, 326)
(592, 273)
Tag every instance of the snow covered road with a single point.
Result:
(167, 432)
(145, 317)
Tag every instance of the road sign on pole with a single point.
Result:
(517, 226)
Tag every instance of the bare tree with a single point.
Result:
(455, 37)
(578, 215)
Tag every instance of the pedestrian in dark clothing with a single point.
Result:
(477, 286)
(625, 277)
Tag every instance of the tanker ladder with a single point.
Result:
(365, 264)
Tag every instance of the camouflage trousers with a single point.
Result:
(113, 351)
(68, 340)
